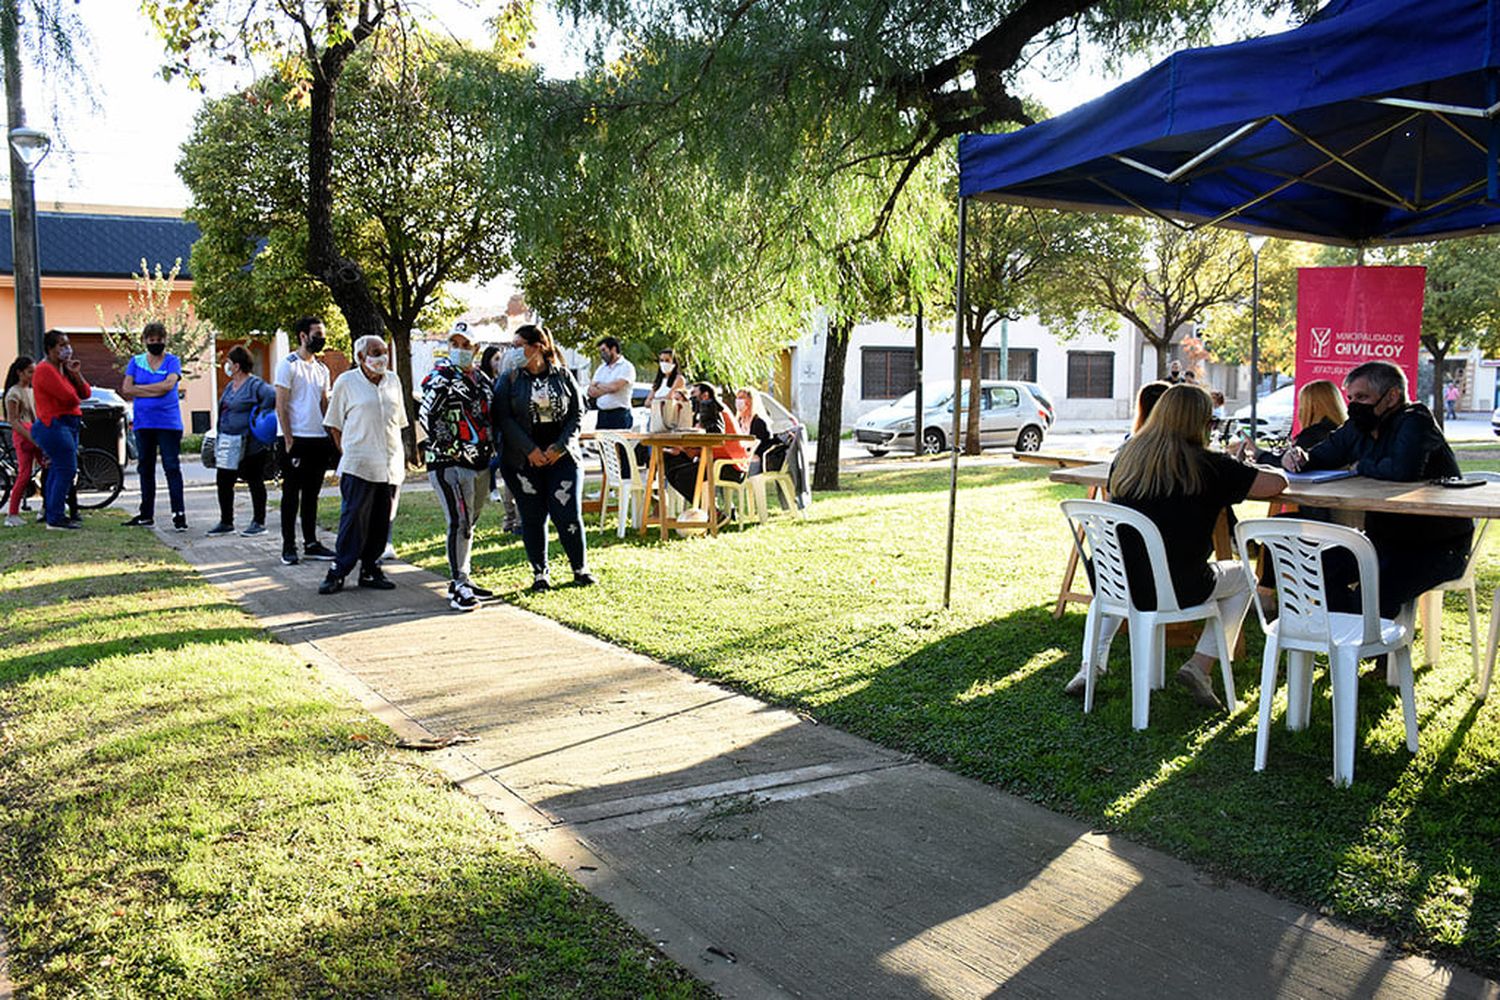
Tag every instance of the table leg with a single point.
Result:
(651, 463)
(661, 495)
(1065, 593)
(1430, 608)
(703, 491)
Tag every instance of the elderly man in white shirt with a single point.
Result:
(365, 417)
(611, 387)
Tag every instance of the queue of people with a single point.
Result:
(1166, 470)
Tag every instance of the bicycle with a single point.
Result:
(99, 479)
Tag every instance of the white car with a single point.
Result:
(1273, 413)
(1009, 415)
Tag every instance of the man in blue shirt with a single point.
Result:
(151, 380)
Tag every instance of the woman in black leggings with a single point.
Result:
(244, 396)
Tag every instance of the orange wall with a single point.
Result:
(72, 305)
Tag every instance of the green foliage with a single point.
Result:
(188, 336)
(412, 203)
(1461, 304)
(1228, 325)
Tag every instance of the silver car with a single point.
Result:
(1009, 415)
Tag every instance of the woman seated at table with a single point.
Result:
(768, 454)
(1320, 411)
(711, 417)
(1168, 473)
(1145, 402)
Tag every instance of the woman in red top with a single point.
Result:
(59, 388)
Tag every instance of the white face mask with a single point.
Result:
(230, 368)
(65, 353)
(668, 367)
(376, 363)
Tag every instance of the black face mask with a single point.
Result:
(315, 343)
(1362, 416)
(156, 349)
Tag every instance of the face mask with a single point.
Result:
(376, 363)
(65, 354)
(668, 367)
(315, 343)
(460, 357)
(157, 350)
(230, 368)
(1362, 415)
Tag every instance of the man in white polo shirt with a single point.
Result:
(610, 388)
(303, 451)
(365, 417)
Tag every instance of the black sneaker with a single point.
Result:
(289, 557)
(483, 593)
(331, 584)
(179, 522)
(541, 582)
(256, 528)
(376, 581)
(141, 521)
(317, 551)
(222, 528)
(462, 598)
(65, 526)
(584, 579)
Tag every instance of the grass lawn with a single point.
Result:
(186, 811)
(841, 616)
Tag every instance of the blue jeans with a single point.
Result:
(147, 441)
(549, 491)
(60, 444)
(617, 419)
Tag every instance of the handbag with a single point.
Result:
(229, 450)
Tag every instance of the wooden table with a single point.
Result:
(1357, 494)
(656, 473)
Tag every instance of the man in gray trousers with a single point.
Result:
(455, 414)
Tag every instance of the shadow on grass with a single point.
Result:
(85, 655)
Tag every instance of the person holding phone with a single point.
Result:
(59, 389)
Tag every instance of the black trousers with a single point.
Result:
(253, 471)
(364, 524)
(302, 470)
(1408, 569)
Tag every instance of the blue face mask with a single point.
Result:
(460, 357)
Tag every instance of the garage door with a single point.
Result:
(99, 365)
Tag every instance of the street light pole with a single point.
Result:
(29, 147)
(1256, 243)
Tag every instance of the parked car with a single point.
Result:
(640, 416)
(1495, 422)
(1010, 415)
(1273, 414)
(1045, 399)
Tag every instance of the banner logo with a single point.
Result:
(1321, 337)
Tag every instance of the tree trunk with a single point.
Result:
(974, 334)
(831, 405)
(23, 207)
(1162, 347)
(401, 366)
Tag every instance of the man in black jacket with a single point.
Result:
(1388, 438)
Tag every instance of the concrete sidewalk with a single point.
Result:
(775, 857)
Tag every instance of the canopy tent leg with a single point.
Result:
(958, 364)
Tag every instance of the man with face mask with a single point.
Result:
(1387, 437)
(611, 387)
(365, 418)
(455, 415)
(303, 451)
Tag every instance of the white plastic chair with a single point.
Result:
(624, 481)
(786, 489)
(1465, 583)
(1304, 626)
(1101, 522)
(738, 491)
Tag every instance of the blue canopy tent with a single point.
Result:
(1377, 122)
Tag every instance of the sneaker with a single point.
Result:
(541, 582)
(317, 551)
(584, 578)
(331, 584)
(388, 555)
(289, 557)
(495, 496)
(376, 581)
(222, 528)
(12, 521)
(483, 593)
(65, 526)
(1199, 686)
(141, 521)
(256, 528)
(462, 599)
(1076, 685)
(179, 522)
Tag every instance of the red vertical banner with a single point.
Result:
(1349, 315)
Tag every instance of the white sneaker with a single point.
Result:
(495, 496)
(1080, 680)
(461, 598)
(12, 521)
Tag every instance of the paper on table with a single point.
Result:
(1320, 476)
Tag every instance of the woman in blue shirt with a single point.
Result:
(151, 379)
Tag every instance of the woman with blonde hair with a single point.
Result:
(1168, 473)
(1320, 412)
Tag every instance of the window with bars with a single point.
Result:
(1091, 375)
(1022, 364)
(886, 372)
